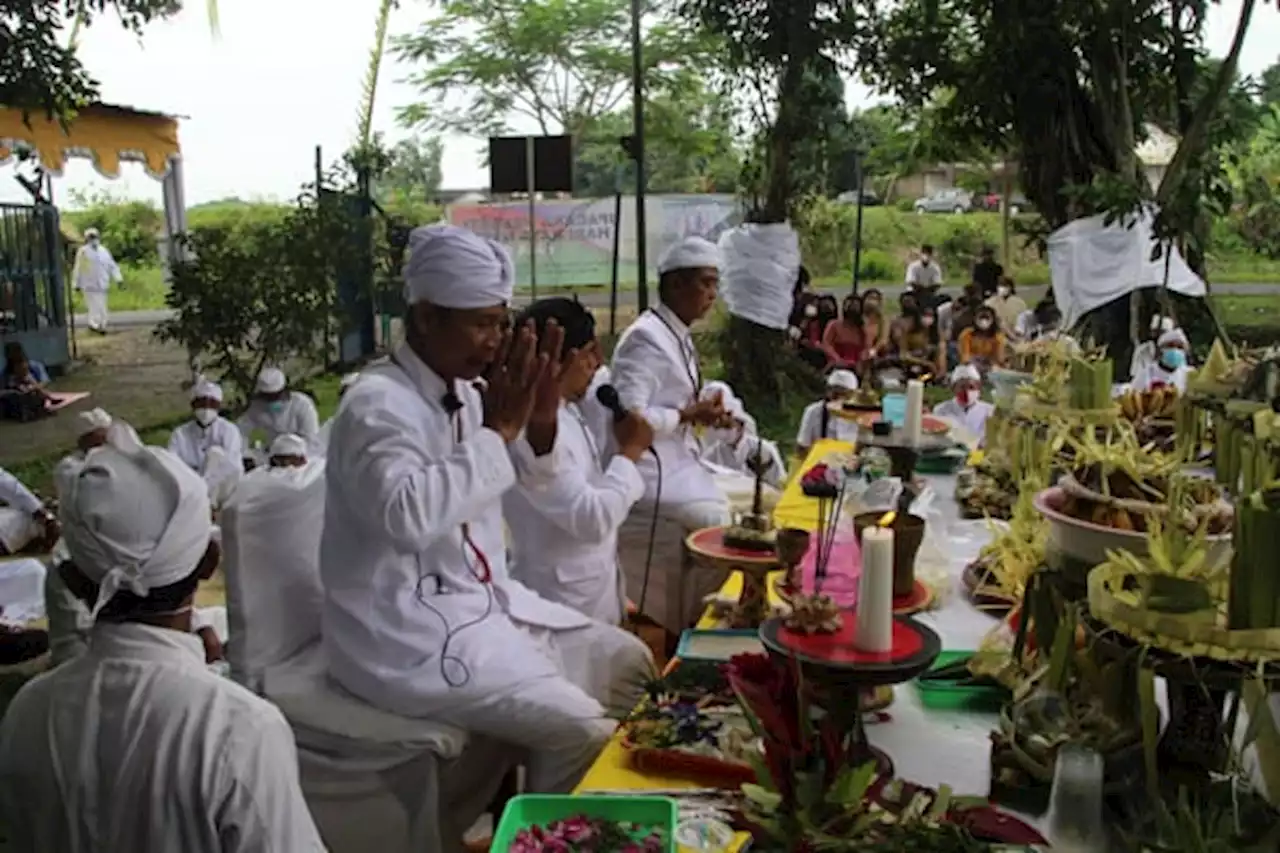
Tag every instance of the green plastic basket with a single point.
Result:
(951, 697)
(529, 810)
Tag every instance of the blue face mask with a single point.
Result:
(275, 407)
(1172, 358)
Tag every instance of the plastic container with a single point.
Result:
(948, 696)
(704, 835)
(529, 810)
(893, 408)
(717, 644)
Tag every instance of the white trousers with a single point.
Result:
(96, 302)
(661, 582)
(21, 591)
(564, 721)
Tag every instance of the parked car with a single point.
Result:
(1017, 203)
(946, 201)
(869, 198)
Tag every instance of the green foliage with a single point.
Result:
(129, 228)
(39, 71)
(263, 291)
(413, 173)
(558, 63)
(690, 145)
(782, 53)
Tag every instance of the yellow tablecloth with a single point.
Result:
(612, 772)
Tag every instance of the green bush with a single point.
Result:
(129, 229)
(875, 265)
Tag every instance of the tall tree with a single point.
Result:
(1269, 85)
(39, 70)
(414, 169)
(690, 146)
(786, 52)
(558, 64)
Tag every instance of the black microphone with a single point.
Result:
(607, 396)
(452, 404)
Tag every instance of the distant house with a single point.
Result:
(473, 196)
(1155, 152)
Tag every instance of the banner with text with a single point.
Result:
(573, 238)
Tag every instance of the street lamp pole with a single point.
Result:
(637, 151)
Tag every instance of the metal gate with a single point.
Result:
(33, 308)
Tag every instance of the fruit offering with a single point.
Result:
(582, 834)
(820, 481)
(1159, 402)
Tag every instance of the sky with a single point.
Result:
(281, 78)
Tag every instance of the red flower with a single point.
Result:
(772, 695)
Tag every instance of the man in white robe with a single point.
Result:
(734, 452)
(210, 444)
(564, 533)
(276, 410)
(421, 617)
(135, 745)
(23, 517)
(656, 372)
(93, 274)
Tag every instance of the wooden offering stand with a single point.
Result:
(843, 674)
(709, 548)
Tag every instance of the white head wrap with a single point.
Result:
(271, 380)
(93, 420)
(1161, 324)
(456, 268)
(1173, 337)
(690, 253)
(715, 387)
(845, 380)
(133, 517)
(206, 390)
(348, 380)
(965, 372)
(289, 444)
(90, 233)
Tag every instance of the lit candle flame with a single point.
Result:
(925, 379)
(886, 519)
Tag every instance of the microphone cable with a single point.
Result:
(653, 533)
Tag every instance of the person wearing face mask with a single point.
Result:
(919, 344)
(877, 326)
(817, 422)
(276, 410)
(924, 274)
(93, 274)
(966, 406)
(808, 330)
(982, 345)
(1007, 304)
(207, 430)
(844, 340)
(1170, 368)
(1040, 322)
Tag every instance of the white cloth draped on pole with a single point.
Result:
(1092, 263)
(761, 262)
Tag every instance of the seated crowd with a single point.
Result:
(494, 508)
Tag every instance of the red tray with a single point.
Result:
(713, 772)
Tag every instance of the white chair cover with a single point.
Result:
(373, 780)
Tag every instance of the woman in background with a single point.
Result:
(983, 345)
(845, 339)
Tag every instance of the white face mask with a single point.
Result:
(984, 325)
(204, 417)
(811, 310)
(1004, 291)
(971, 396)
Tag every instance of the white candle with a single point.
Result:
(915, 411)
(874, 613)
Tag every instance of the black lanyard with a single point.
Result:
(694, 373)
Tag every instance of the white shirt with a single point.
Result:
(973, 419)
(298, 416)
(655, 369)
(191, 442)
(16, 495)
(811, 426)
(412, 515)
(94, 269)
(136, 746)
(1153, 376)
(564, 533)
(920, 274)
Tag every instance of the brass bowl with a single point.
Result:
(792, 544)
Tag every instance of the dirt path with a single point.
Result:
(130, 374)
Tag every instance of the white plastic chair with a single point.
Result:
(373, 780)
